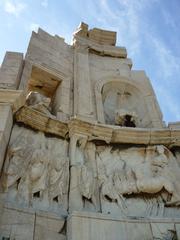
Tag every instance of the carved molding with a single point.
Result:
(102, 50)
(167, 136)
(41, 122)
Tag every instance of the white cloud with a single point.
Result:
(169, 64)
(34, 27)
(168, 18)
(14, 8)
(44, 3)
(127, 18)
(169, 102)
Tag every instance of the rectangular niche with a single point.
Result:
(43, 81)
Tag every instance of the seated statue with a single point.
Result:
(40, 103)
(125, 118)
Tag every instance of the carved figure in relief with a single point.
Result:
(159, 174)
(88, 176)
(105, 177)
(37, 168)
(109, 191)
(125, 181)
(151, 176)
(15, 166)
(40, 103)
(58, 174)
(153, 172)
(36, 175)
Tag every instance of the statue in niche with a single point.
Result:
(88, 175)
(119, 109)
(125, 118)
(39, 103)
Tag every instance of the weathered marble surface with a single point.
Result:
(36, 171)
(125, 181)
(23, 224)
(87, 135)
(85, 225)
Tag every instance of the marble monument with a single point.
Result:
(84, 151)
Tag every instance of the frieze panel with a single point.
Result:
(36, 171)
(128, 181)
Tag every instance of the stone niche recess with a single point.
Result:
(84, 151)
(124, 105)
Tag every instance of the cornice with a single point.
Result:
(102, 50)
(94, 131)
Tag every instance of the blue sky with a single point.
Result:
(149, 29)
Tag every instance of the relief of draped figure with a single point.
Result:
(36, 171)
(88, 175)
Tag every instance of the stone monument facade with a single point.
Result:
(84, 152)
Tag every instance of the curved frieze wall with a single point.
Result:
(107, 133)
(112, 179)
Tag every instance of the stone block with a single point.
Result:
(136, 231)
(177, 228)
(6, 120)
(17, 224)
(160, 136)
(94, 226)
(14, 98)
(131, 135)
(3, 145)
(163, 230)
(48, 226)
(11, 69)
(174, 125)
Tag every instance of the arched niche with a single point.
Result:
(121, 102)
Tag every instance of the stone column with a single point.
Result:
(11, 70)
(82, 83)
(6, 122)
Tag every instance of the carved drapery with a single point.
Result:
(36, 170)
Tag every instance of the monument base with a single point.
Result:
(96, 226)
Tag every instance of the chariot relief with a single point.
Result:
(146, 173)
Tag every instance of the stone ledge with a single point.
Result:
(94, 131)
(111, 217)
(41, 122)
(99, 226)
(102, 50)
